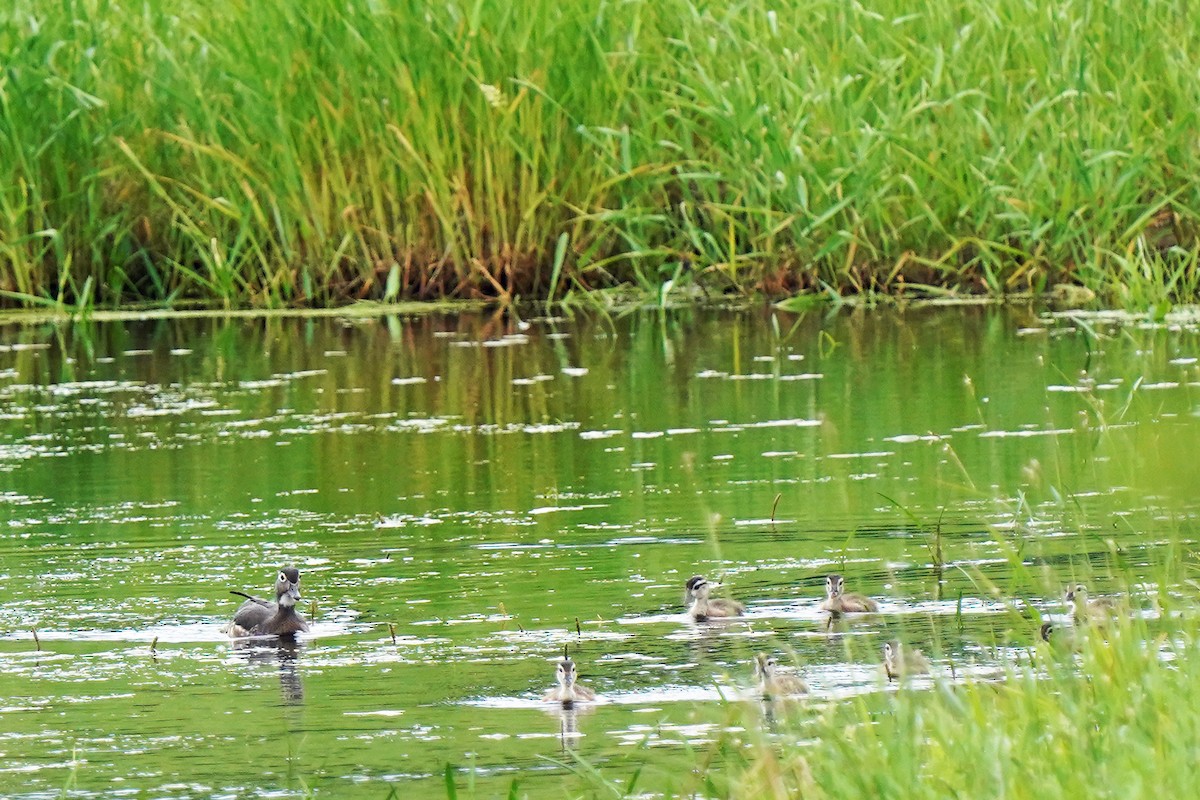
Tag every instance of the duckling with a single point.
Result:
(568, 692)
(773, 684)
(899, 661)
(703, 608)
(258, 617)
(1084, 610)
(838, 602)
(1059, 640)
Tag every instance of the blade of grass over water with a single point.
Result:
(313, 154)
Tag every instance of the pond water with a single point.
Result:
(468, 495)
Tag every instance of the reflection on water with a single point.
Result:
(467, 495)
(281, 653)
(568, 723)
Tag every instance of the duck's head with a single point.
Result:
(764, 665)
(1077, 593)
(689, 588)
(834, 586)
(565, 672)
(701, 589)
(287, 587)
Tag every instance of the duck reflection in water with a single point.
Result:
(285, 654)
(568, 723)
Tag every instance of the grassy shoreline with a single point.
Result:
(276, 155)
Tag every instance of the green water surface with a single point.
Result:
(491, 490)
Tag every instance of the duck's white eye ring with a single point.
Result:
(283, 577)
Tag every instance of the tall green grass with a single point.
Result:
(279, 153)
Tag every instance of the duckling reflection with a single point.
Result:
(285, 653)
(900, 661)
(259, 617)
(838, 601)
(704, 607)
(568, 722)
(835, 628)
(706, 643)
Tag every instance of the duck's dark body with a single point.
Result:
(259, 617)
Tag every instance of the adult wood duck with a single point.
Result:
(259, 617)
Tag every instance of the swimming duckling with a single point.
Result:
(258, 617)
(1059, 640)
(1084, 611)
(704, 608)
(773, 684)
(899, 661)
(838, 602)
(568, 692)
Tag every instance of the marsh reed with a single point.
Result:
(308, 154)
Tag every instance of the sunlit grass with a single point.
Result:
(314, 153)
